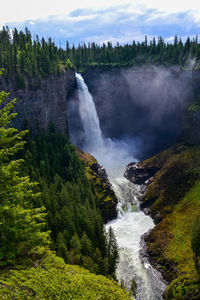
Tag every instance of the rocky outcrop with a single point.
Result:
(171, 197)
(101, 172)
(41, 103)
(96, 174)
(139, 174)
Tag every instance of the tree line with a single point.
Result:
(22, 55)
(155, 51)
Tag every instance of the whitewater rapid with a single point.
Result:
(131, 222)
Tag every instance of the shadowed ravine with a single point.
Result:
(131, 222)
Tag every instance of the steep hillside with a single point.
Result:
(172, 197)
(28, 268)
(96, 174)
(51, 278)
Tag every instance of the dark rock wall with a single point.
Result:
(144, 104)
(42, 105)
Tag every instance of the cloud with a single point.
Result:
(123, 23)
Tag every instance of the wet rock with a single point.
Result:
(106, 198)
(101, 172)
(108, 204)
(158, 283)
(139, 174)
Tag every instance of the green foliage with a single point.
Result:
(195, 238)
(20, 82)
(69, 65)
(20, 224)
(133, 287)
(72, 205)
(194, 107)
(195, 242)
(183, 287)
(113, 251)
(55, 280)
(141, 53)
(22, 57)
(170, 241)
(29, 270)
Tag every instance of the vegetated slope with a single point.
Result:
(29, 270)
(75, 205)
(96, 174)
(51, 278)
(173, 200)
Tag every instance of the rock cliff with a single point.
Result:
(171, 196)
(96, 174)
(140, 103)
(43, 102)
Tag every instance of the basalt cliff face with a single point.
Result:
(144, 103)
(42, 103)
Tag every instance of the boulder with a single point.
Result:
(139, 174)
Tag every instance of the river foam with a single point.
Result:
(131, 222)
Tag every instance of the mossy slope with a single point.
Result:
(106, 199)
(53, 279)
(173, 199)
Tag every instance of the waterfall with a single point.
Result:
(131, 222)
(88, 114)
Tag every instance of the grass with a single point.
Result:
(174, 201)
(178, 249)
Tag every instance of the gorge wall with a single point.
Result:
(43, 103)
(143, 104)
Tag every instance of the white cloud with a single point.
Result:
(21, 10)
(123, 23)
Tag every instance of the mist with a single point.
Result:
(85, 132)
(139, 111)
(142, 104)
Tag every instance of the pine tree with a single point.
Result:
(20, 224)
(113, 251)
(61, 249)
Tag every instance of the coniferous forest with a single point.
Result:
(48, 206)
(72, 206)
(53, 241)
(21, 55)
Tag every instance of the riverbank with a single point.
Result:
(172, 199)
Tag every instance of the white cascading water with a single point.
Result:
(131, 222)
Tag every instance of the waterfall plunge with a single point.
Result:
(114, 155)
(88, 114)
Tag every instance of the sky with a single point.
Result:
(103, 20)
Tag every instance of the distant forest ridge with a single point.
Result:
(20, 54)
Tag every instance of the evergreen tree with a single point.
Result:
(113, 251)
(20, 224)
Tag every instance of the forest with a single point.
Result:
(51, 223)
(22, 55)
(48, 206)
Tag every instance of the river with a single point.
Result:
(131, 222)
